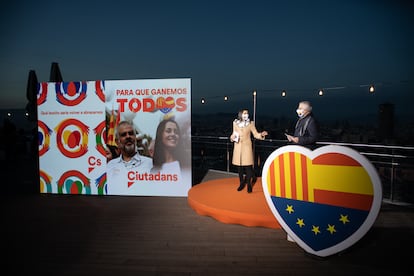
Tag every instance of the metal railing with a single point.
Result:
(395, 164)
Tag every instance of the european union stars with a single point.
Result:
(320, 226)
(315, 229)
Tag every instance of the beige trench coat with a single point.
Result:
(243, 150)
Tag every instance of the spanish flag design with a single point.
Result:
(322, 197)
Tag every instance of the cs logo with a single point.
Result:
(74, 182)
(72, 138)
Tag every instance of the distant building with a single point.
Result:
(386, 121)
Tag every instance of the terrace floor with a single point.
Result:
(129, 235)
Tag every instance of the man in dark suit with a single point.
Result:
(306, 129)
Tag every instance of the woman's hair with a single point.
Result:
(239, 115)
(159, 148)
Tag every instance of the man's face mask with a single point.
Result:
(245, 116)
(300, 112)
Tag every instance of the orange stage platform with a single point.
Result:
(220, 199)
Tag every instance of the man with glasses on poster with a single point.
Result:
(119, 169)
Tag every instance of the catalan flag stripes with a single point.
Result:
(111, 130)
(288, 176)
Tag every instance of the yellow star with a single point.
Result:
(300, 222)
(344, 219)
(289, 208)
(315, 229)
(331, 228)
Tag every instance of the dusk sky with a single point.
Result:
(226, 47)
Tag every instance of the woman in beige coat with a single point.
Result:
(243, 151)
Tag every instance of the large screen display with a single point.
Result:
(145, 123)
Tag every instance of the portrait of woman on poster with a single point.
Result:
(167, 148)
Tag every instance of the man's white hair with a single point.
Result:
(307, 104)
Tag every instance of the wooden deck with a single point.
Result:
(122, 235)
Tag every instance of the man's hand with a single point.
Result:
(292, 138)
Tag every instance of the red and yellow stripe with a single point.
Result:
(331, 178)
(111, 130)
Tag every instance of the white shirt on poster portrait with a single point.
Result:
(172, 168)
(117, 172)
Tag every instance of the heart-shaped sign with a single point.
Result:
(326, 199)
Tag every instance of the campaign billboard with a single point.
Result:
(78, 122)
